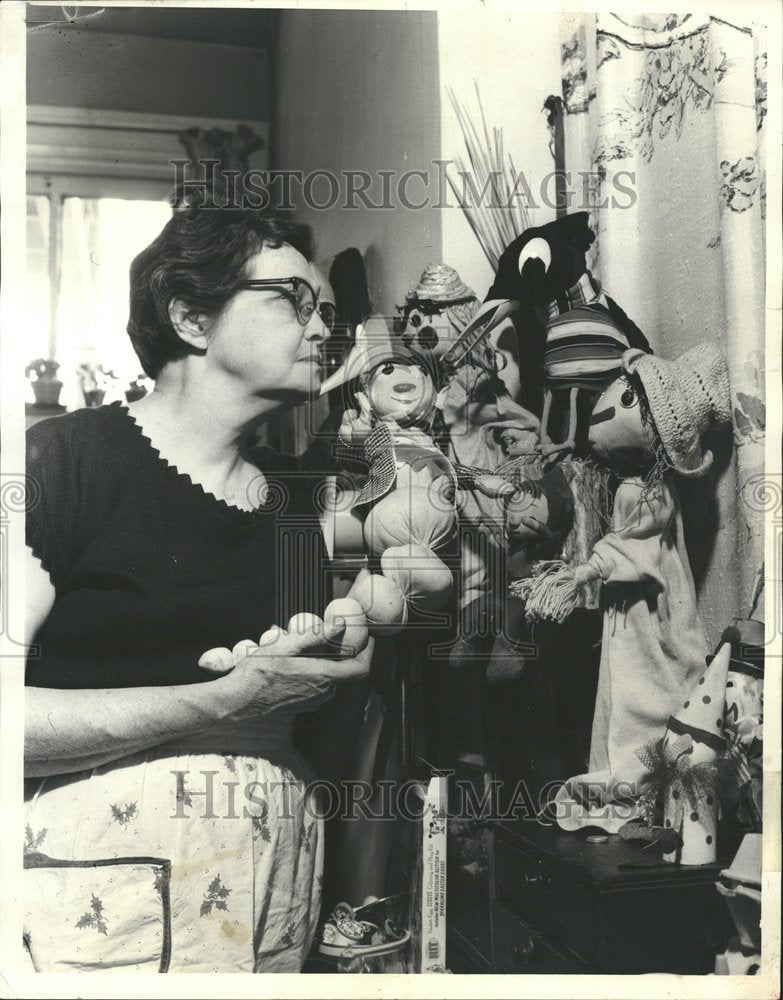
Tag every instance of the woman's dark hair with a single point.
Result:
(201, 257)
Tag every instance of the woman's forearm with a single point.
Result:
(67, 731)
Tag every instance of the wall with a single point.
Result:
(515, 58)
(74, 67)
(367, 90)
(360, 90)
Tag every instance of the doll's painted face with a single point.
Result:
(617, 434)
(400, 391)
(515, 441)
(425, 326)
(526, 518)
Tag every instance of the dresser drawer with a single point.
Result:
(557, 905)
(519, 949)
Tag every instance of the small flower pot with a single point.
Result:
(47, 392)
(93, 397)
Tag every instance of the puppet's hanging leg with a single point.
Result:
(545, 444)
(383, 603)
(421, 575)
(411, 576)
(548, 447)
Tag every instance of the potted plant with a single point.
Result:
(94, 381)
(137, 389)
(42, 373)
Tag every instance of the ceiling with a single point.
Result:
(219, 24)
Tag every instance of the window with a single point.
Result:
(38, 277)
(97, 187)
(79, 250)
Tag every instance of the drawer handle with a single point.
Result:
(523, 954)
(532, 880)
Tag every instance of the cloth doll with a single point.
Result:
(539, 516)
(435, 311)
(545, 270)
(475, 409)
(688, 769)
(438, 318)
(408, 498)
(411, 493)
(648, 426)
(571, 338)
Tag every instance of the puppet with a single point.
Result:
(408, 499)
(545, 270)
(443, 318)
(647, 426)
(442, 325)
(411, 493)
(689, 770)
(538, 517)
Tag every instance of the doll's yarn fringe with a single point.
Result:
(550, 594)
(653, 480)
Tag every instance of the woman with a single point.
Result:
(170, 826)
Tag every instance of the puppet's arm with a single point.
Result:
(356, 425)
(630, 554)
(488, 483)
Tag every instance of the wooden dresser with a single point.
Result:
(550, 902)
(527, 898)
(563, 904)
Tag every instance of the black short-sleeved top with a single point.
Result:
(149, 569)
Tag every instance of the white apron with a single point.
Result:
(203, 855)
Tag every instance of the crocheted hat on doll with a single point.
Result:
(685, 399)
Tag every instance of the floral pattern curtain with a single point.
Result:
(665, 115)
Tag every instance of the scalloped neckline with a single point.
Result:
(184, 478)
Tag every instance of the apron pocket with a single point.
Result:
(111, 913)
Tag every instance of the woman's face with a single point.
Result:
(258, 338)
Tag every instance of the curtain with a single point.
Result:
(665, 118)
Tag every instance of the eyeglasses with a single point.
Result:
(303, 298)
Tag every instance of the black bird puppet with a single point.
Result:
(570, 336)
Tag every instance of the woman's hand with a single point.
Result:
(294, 666)
(342, 633)
(261, 683)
